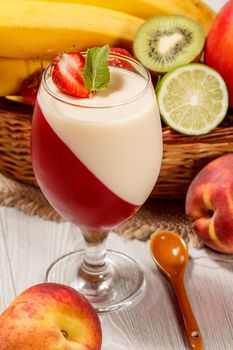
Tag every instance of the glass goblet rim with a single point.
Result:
(142, 71)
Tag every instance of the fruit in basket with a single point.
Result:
(121, 51)
(75, 26)
(193, 99)
(219, 46)
(165, 42)
(209, 204)
(24, 23)
(50, 316)
(14, 71)
(30, 87)
(145, 9)
(117, 62)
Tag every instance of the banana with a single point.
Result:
(197, 10)
(145, 9)
(32, 29)
(14, 71)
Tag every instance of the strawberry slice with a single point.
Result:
(67, 74)
(117, 62)
(30, 87)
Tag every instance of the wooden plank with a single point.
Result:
(34, 244)
(31, 244)
(7, 284)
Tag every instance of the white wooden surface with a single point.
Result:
(28, 245)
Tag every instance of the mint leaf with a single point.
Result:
(96, 72)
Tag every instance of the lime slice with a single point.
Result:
(193, 99)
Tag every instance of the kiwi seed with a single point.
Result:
(166, 42)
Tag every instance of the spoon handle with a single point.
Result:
(191, 326)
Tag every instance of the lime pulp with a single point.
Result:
(193, 99)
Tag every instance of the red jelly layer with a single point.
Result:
(72, 189)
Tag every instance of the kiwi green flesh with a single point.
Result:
(166, 42)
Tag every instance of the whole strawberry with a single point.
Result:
(30, 87)
(116, 61)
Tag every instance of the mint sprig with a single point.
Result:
(96, 72)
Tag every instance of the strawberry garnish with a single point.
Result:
(30, 87)
(67, 74)
(117, 62)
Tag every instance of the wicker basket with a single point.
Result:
(183, 156)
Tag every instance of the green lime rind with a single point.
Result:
(192, 99)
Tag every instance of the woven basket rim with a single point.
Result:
(15, 109)
(183, 156)
(221, 134)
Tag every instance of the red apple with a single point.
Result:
(219, 46)
(209, 204)
(50, 316)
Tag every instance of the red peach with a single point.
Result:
(209, 204)
(50, 316)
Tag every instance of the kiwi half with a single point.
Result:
(166, 42)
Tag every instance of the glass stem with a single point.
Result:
(94, 268)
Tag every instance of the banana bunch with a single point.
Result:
(32, 31)
(195, 9)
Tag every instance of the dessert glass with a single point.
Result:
(96, 160)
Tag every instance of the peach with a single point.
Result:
(50, 316)
(209, 204)
(219, 46)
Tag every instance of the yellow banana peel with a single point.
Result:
(14, 71)
(195, 9)
(32, 29)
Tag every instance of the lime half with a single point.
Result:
(193, 99)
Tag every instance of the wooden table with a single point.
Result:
(28, 245)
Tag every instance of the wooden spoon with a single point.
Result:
(170, 253)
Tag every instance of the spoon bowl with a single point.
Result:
(170, 253)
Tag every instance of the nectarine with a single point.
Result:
(219, 46)
(50, 316)
(209, 204)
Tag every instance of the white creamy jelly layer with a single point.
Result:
(121, 145)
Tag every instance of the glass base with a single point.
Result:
(122, 285)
